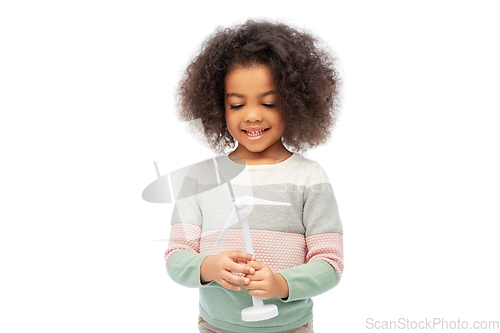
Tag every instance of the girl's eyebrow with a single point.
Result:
(241, 96)
(270, 92)
(235, 95)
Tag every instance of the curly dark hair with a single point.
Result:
(304, 73)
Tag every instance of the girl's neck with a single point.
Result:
(275, 154)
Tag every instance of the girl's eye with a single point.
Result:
(233, 107)
(269, 105)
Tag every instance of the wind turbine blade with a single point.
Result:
(158, 191)
(223, 180)
(231, 221)
(220, 237)
(229, 187)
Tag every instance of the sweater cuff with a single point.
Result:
(184, 268)
(309, 280)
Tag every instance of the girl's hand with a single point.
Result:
(265, 283)
(218, 268)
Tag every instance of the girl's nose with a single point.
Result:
(253, 114)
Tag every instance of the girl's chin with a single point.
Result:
(254, 147)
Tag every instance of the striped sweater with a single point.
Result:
(303, 242)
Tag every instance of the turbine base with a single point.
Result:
(258, 313)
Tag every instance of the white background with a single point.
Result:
(87, 103)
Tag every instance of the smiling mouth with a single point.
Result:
(256, 133)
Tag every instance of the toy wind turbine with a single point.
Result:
(242, 208)
(170, 187)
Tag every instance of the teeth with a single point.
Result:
(255, 133)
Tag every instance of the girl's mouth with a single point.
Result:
(255, 135)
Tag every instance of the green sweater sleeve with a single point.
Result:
(308, 280)
(184, 268)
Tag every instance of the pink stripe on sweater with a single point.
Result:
(277, 249)
(183, 236)
(328, 247)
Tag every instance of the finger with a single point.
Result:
(240, 255)
(259, 275)
(243, 269)
(257, 265)
(256, 285)
(228, 285)
(241, 261)
(251, 270)
(231, 278)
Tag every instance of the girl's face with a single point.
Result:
(253, 114)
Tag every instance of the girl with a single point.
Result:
(271, 91)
